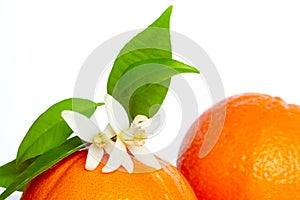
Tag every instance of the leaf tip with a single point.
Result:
(164, 19)
(99, 104)
(197, 71)
(168, 11)
(170, 8)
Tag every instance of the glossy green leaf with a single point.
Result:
(153, 73)
(42, 163)
(50, 130)
(152, 43)
(10, 171)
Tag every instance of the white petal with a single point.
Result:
(81, 125)
(139, 118)
(145, 124)
(108, 131)
(116, 114)
(109, 147)
(155, 123)
(116, 157)
(94, 157)
(128, 164)
(143, 155)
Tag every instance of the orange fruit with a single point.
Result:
(257, 155)
(69, 180)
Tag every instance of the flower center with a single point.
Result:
(100, 140)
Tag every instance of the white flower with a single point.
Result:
(89, 132)
(129, 137)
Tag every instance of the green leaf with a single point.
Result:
(10, 171)
(50, 130)
(152, 43)
(42, 163)
(154, 73)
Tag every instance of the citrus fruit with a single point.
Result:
(70, 180)
(257, 155)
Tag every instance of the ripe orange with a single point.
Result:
(256, 157)
(69, 180)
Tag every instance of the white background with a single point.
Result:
(255, 46)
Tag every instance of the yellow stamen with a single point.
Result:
(100, 140)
